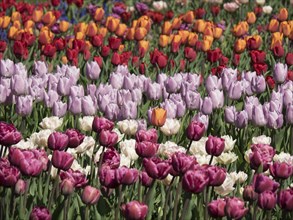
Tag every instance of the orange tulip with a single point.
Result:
(79, 35)
(192, 39)
(45, 36)
(134, 23)
(49, 18)
(250, 18)
(37, 15)
(63, 26)
(240, 29)
(277, 39)
(80, 27)
(143, 47)
(121, 48)
(15, 16)
(140, 33)
(144, 21)
(29, 24)
(164, 40)
(217, 33)
(184, 35)
(239, 46)
(5, 22)
(18, 34)
(209, 38)
(121, 30)
(283, 14)
(130, 33)
(12, 32)
(88, 45)
(99, 14)
(176, 23)
(188, 17)
(273, 25)
(167, 28)
(285, 28)
(158, 117)
(92, 29)
(17, 24)
(112, 23)
(199, 25)
(64, 60)
(103, 31)
(208, 31)
(206, 45)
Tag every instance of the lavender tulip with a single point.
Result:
(112, 111)
(24, 105)
(116, 80)
(123, 96)
(154, 91)
(241, 119)
(217, 97)
(258, 84)
(3, 94)
(193, 100)
(52, 82)
(129, 110)
(6, 68)
(76, 91)
(171, 85)
(258, 117)
(91, 90)
(19, 69)
(280, 72)
(228, 76)
(37, 93)
(202, 118)
(230, 114)
(207, 106)
(235, 90)
(93, 70)
(161, 78)
(74, 105)
(136, 95)
(275, 120)
(19, 85)
(212, 82)
(63, 86)
(128, 83)
(170, 107)
(287, 97)
(59, 109)
(104, 101)
(88, 106)
(250, 102)
(40, 68)
(289, 114)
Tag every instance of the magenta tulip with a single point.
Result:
(108, 138)
(62, 160)
(126, 176)
(100, 124)
(235, 208)
(195, 181)
(267, 200)
(90, 195)
(147, 135)
(146, 149)
(9, 134)
(58, 141)
(215, 146)
(281, 170)
(285, 199)
(134, 210)
(216, 208)
(156, 167)
(75, 138)
(40, 213)
(9, 174)
(195, 130)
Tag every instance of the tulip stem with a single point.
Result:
(86, 214)
(53, 189)
(291, 139)
(139, 191)
(254, 211)
(178, 193)
(101, 160)
(167, 199)
(25, 195)
(66, 204)
(206, 190)
(117, 211)
(185, 206)
(188, 148)
(211, 160)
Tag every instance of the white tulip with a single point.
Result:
(159, 5)
(51, 123)
(25, 145)
(127, 148)
(87, 144)
(199, 147)
(260, 2)
(283, 157)
(227, 158)
(125, 161)
(227, 187)
(77, 167)
(169, 148)
(170, 127)
(261, 140)
(231, 6)
(229, 143)
(267, 9)
(246, 155)
(41, 138)
(204, 159)
(86, 123)
(167, 180)
(128, 127)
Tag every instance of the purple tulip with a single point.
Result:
(249, 194)
(76, 177)
(31, 166)
(235, 208)
(107, 177)
(280, 72)
(24, 105)
(146, 149)
(50, 98)
(147, 135)
(216, 208)
(75, 138)
(262, 154)
(195, 130)
(285, 199)
(235, 90)
(141, 8)
(19, 85)
(9, 174)
(40, 213)
(230, 114)
(258, 84)
(92, 70)
(59, 109)
(207, 106)
(215, 146)
(6, 68)
(258, 117)
(228, 77)
(156, 167)
(281, 170)
(195, 181)
(182, 162)
(74, 105)
(90, 195)
(202, 118)
(263, 183)
(171, 85)
(62, 160)
(58, 141)
(217, 175)
(267, 200)
(9, 135)
(108, 138)
(111, 158)
(241, 119)
(134, 210)
(212, 83)
(193, 100)
(145, 179)
(126, 176)
(100, 123)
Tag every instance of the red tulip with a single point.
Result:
(115, 59)
(271, 82)
(289, 58)
(214, 55)
(105, 51)
(97, 40)
(114, 42)
(278, 51)
(49, 50)
(258, 56)
(2, 46)
(189, 54)
(20, 50)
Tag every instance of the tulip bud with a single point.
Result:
(40, 213)
(20, 187)
(67, 187)
(249, 194)
(90, 195)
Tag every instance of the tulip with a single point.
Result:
(146, 149)
(147, 135)
(192, 100)
(235, 208)
(249, 194)
(108, 138)
(281, 170)
(280, 72)
(262, 154)
(195, 130)
(107, 177)
(250, 18)
(263, 183)
(145, 179)
(235, 90)
(258, 117)
(19, 85)
(207, 106)
(76, 177)
(181, 162)
(215, 146)
(88, 105)
(90, 195)
(158, 117)
(134, 210)
(20, 187)
(59, 109)
(75, 138)
(283, 14)
(93, 70)
(289, 114)
(239, 46)
(170, 127)
(9, 135)
(230, 114)
(58, 141)
(31, 166)
(164, 40)
(67, 187)
(216, 208)
(217, 175)
(62, 160)
(285, 199)
(217, 97)
(40, 213)
(9, 175)
(156, 168)
(100, 124)
(111, 158)
(241, 119)
(195, 181)
(128, 110)
(267, 200)
(126, 176)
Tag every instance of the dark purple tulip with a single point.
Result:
(78, 178)
(215, 146)
(263, 183)
(262, 154)
(285, 199)
(9, 135)
(62, 160)
(126, 176)
(134, 210)
(217, 175)
(146, 148)
(195, 130)
(107, 177)
(147, 135)
(67, 187)
(58, 141)
(216, 208)
(195, 181)
(31, 166)
(235, 208)
(249, 194)
(20, 187)
(9, 174)
(40, 213)
(90, 195)
(156, 167)
(267, 200)
(111, 158)
(145, 179)
(142, 8)
(182, 162)
(75, 138)
(281, 170)
(108, 138)
(100, 124)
